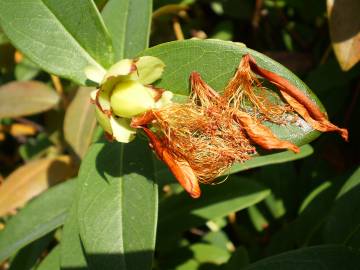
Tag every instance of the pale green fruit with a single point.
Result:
(130, 98)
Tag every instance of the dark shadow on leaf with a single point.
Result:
(140, 260)
(118, 159)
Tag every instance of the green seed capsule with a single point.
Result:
(130, 98)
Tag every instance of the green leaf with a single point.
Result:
(39, 217)
(217, 61)
(62, 37)
(27, 257)
(117, 208)
(351, 183)
(129, 24)
(219, 239)
(35, 147)
(26, 98)
(280, 157)
(80, 122)
(205, 253)
(233, 195)
(238, 260)
(343, 221)
(329, 257)
(71, 254)
(26, 70)
(51, 261)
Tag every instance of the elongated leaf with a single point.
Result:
(39, 217)
(205, 253)
(26, 98)
(344, 26)
(31, 179)
(51, 261)
(233, 195)
(217, 61)
(62, 37)
(80, 122)
(129, 24)
(329, 257)
(343, 221)
(26, 70)
(305, 150)
(351, 183)
(27, 257)
(117, 209)
(72, 255)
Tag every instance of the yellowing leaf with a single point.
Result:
(344, 22)
(80, 121)
(31, 179)
(26, 98)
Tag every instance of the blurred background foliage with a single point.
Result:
(47, 125)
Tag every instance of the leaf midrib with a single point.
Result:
(77, 42)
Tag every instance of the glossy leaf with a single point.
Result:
(217, 201)
(216, 61)
(117, 209)
(31, 179)
(39, 217)
(128, 22)
(329, 257)
(72, 255)
(80, 122)
(344, 26)
(53, 35)
(280, 157)
(51, 261)
(26, 98)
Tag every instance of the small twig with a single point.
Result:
(59, 89)
(177, 29)
(326, 54)
(257, 14)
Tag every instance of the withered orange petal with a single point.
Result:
(301, 103)
(323, 124)
(179, 168)
(261, 134)
(144, 119)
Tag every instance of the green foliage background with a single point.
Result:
(122, 209)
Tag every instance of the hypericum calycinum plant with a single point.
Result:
(199, 140)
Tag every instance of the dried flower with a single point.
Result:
(201, 139)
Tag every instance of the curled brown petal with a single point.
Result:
(323, 125)
(301, 103)
(261, 134)
(180, 168)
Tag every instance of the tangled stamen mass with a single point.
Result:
(210, 132)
